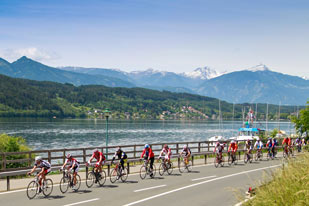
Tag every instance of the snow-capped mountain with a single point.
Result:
(202, 73)
(259, 67)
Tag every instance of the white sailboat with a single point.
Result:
(217, 138)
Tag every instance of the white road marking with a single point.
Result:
(77, 203)
(196, 184)
(201, 178)
(149, 188)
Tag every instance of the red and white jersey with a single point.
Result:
(166, 151)
(72, 162)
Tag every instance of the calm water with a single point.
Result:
(51, 134)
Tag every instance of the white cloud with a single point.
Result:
(31, 52)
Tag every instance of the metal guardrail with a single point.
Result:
(198, 148)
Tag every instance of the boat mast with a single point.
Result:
(255, 115)
(233, 117)
(267, 120)
(279, 117)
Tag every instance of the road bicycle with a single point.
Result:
(34, 188)
(232, 158)
(118, 173)
(288, 151)
(165, 166)
(185, 164)
(270, 154)
(219, 160)
(248, 157)
(146, 170)
(94, 176)
(67, 181)
(258, 155)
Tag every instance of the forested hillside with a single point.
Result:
(28, 98)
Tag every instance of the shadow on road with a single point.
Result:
(52, 197)
(110, 186)
(194, 172)
(82, 191)
(177, 174)
(130, 182)
(158, 178)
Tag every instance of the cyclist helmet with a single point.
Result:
(218, 143)
(38, 158)
(165, 146)
(233, 141)
(147, 146)
(69, 156)
(269, 138)
(95, 150)
(185, 147)
(118, 149)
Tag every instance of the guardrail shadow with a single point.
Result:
(82, 191)
(52, 197)
(110, 186)
(130, 182)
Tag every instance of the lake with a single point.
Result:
(70, 133)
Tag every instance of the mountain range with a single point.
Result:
(254, 85)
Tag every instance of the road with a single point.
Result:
(205, 185)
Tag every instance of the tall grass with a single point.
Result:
(289, 186)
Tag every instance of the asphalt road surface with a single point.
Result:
(205, 185)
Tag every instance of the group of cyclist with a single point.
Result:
(72, 165)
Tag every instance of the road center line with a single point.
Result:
(196, 184)
(149, 188)
(77, 203)
(201, 178)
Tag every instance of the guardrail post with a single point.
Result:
(63, 158)
(208, 146)
(108, 169)
(4, 162)
(30, 159)
(134, 154)
(177, 150)
(239, 155)
(178, 161)
(7, 183)
(192, 160)
(49, 156)
(199, 147)
(84, 155)
(205, 159)
(128, 167)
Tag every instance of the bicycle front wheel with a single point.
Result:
(113, 176)
(216, 162)
(229, 160)
(47, 187)
(162, 169)
(169, 168)
(143, 172)
(102, 178)
(64, 184)
(245, 158)
(32, 189)
(152, 171)
(222, 161)
(90, 179)
(78, 183)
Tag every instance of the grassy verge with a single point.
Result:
(289, 186)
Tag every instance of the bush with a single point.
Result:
(13, 144)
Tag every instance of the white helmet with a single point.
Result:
(38, 158)
(185, 147)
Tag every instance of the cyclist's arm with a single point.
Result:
(150, 152)
(33, 169)
(42, 171)
(143, 153)
(91, 158)
(101, 158)
(66, 161)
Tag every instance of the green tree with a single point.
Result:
(302, 122)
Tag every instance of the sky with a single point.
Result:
(166, 35)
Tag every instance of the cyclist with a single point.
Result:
(100, 160)
(186, 150)
(218, 150)
(233, 147)
(270, 145)
(167, 152)
(287, 144)
(122, 156)
(298, 142)
(149, 155)
(276, 144)
(73, 165)
(248, 147)
(258, 145)
(45, 169)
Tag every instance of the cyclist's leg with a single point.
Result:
(75, 171)
(151, 162)
(122, 163)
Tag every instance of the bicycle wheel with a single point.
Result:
(102, 178)
(32, 189)
(143, 172)
(90, 179)
(182, 166)
(124, 175)
(162, 169)
(47, 187)
(64, 184)
(250, 158)
(229, 160)
(256, 156)
(235, 159)
(169, 168)
(78, 183)
(222, 161)
(113, 176)
(189, 166)
(245, 158)
(216, 162)
(261, 156)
